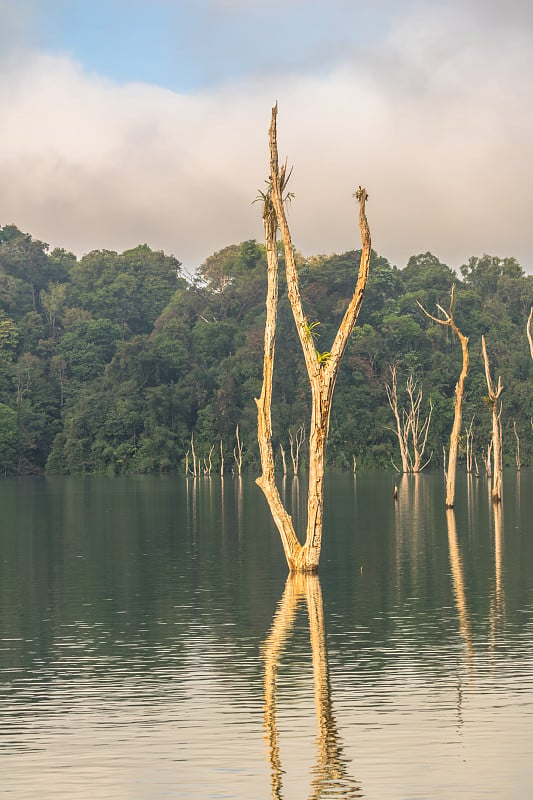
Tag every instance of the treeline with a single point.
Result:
(114, 363)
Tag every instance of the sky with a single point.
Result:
(125, 122)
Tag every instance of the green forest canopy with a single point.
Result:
(111, 362)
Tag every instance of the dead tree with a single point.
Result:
(459, 393)
(221, 460)
(493, 397)
(295, 443)
(237, 452)
(194, 457)
(401, 430)
(528, 331)
(410, 426)
(487, 460)
(322, 372)
(469, 446)
(517, 455)
(419, 430)
(283, 460)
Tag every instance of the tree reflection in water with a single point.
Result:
(465, 625)
(497, 603)
(330, 774)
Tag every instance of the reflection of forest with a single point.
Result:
(330, 772)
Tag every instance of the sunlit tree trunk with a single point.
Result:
(266, 480)
(528, 331)
(458, 403)
(494, 395)
(322, 373)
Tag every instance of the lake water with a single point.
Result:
(151, 645)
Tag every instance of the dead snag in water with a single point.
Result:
(495, 407)
(458, 401)
(322, 372)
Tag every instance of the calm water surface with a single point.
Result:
(151, 645)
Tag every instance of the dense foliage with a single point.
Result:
(110, 363)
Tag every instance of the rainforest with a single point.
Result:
(119, 363)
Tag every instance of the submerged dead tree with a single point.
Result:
(469, 446)
(528, 331)
(517, 454)
(322, 372)
(410, 426)
(296, 443)
(458, 401)
(402, 432)
(493, 397)
(237, 453)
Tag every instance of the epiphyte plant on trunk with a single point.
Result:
(322, 373)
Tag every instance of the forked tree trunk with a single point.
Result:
(458, 402)
(494, 395)
(322, 374)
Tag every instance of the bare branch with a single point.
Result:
(459, 392)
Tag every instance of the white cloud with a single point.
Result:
(436, 122)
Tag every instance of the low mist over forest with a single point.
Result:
(112, 362)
